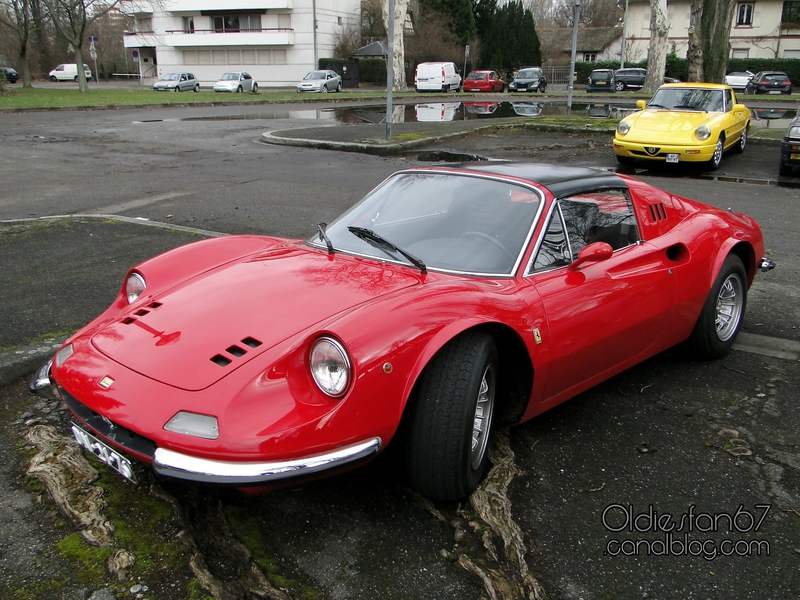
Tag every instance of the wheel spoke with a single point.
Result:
(729, 308)
(482, 420)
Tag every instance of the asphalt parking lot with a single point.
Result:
(580, 504)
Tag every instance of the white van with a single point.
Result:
(69, 72)
(437, 77)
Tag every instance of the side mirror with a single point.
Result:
(594, 252)
(641, 104)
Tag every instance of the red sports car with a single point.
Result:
(484, 81)
(447, 301)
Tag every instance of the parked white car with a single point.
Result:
(69, 72)
(237, 82)
(437, 77)
(177, 82)
(738, 80)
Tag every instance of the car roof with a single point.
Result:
(560, 180)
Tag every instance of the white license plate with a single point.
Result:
(672, 158)
(774, 92)
(103, 452)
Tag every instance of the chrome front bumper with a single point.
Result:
(169, 463)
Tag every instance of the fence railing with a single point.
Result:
(556, 75)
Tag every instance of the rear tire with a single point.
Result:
(719, 322)
(450, 418)
(740, 145)
(620, 86)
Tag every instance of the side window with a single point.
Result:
(554, 249)
(728, 100)
(603, 216)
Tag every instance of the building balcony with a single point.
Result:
(195, 6)
(213, 37)
(139, 39)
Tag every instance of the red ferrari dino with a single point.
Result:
(446, 302)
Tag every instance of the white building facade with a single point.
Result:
(759, 29)
(273, 40)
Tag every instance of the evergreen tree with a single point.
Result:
(511, 41)
(462, 20)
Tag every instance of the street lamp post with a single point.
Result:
(624, 36)
(571, 83)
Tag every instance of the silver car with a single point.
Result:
(177, 82)
(321, 81)
(236, 81)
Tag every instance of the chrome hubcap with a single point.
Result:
(729, 308)
(482, 421)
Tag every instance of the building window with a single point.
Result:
(590, 57)
(236, 23)
(188, 24)
(744, 15)
(791, 54)
(740, 53)
(791, 12)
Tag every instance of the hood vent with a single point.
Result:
(236, 351)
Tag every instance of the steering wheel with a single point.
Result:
(487, 238)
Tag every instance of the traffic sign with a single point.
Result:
(93, 52)
(92, 38)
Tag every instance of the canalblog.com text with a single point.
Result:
(693, 533)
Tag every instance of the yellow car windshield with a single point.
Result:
(692, 99)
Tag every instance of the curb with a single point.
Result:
(24, 361)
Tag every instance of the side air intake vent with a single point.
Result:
(236, 351)
(658, 212)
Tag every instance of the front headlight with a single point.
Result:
(330, 366)
(794, 132)
(134, 286)
(702, 132)
(623, 127)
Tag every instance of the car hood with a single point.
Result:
(180, 337)
(664, 121)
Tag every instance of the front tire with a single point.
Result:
(53, 78)
(324, 89)
(450, 418)
(339, 87)
(177, 88)
(716, 159)
(239, 90)
(719, 322)
(542, 88)
(625, 160)
(196, 87)
(255, 88)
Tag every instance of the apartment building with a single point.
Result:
(274, 40)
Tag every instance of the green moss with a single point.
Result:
(196, 592)
(90, 560)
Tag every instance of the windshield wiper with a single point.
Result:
(689, 107)
(324, 236)
(657, 106)
(370, 236)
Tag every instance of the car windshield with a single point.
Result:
(230, 77)
(528, 74)
(449, 222)
(315, 75)
(171, 77)
(476, 76)
(696, 99)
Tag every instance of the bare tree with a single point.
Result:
(398, 48)
(657, 55)
(16, 15)
(694, 53)
(71, 18)
(594, 13)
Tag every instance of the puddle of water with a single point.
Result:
(763, 118)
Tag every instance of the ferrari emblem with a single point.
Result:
(105, 382)
(537, 336)
(652, 151)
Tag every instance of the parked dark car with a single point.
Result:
(633, 78)
(529, 79)
(629, 78)
(601, 80)
(790, 148)
(769, 82)
(10, 74)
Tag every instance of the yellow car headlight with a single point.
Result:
(702, 132)
(623, 127)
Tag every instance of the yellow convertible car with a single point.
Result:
(684, 122)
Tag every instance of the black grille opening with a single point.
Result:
(252, 342)
(108, 429)
(154, 305)
(141, 312)
(128, 320)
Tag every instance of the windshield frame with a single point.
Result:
(351, 216)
